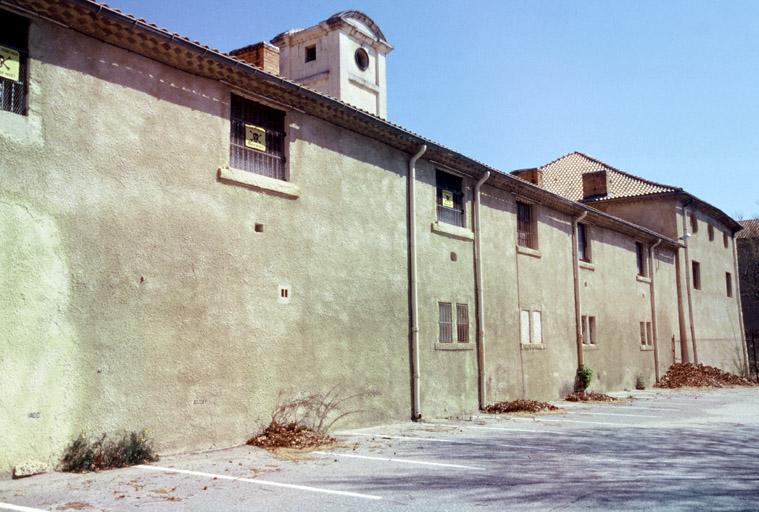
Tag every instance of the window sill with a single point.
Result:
(532, 346)
(587, 265)
(643, 279)
(451, 230)
(535, 253)
(259, 182)
(453, 346)
(646, 348)
(590, 346)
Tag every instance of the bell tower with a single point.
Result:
(343, 57)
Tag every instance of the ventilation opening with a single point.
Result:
(310, 53)
(259, 228)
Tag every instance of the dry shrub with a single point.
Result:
(520, 406)
(88, 454)
(682, 375)
(303, 422)
(589, 396)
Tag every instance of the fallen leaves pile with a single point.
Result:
(589, 396)
(520, 406)
(289, 435)
(692, 375)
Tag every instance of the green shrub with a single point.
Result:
(88, 454)
(584, 376)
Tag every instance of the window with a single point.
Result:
(527, 235)
(583, 242)
(725, 240)
(257, 138)
(696, 266)
(710, 230)
(641, 259)
(588, 330)
(362, 59)
(462, 322)
(531, 327)
(450, 198)
(693, 223)
(310, 53)
(643, 333)
(445, 322)
(13, 62)
(728, 284)
(646, 334)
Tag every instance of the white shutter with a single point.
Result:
(537, 328)
(525, 327)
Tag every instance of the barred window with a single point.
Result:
(14, 37)
(527, 235)
(641, 259)
(257, 138)
(583, 243)
(445, 322)
(462, 322)
(450, 198)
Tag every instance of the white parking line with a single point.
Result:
(405, 438)
(19, 508)
(542, 420)
(621, 407)
(614, 414)
(504, 429)
(262, 482)
(400, 461)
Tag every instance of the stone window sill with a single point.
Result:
(587, 265)
(590, 347)
(646, 348)
(451, 230)
(532, 346)
(453, 346)
(643, 279)
(258, 182)
(535, 253)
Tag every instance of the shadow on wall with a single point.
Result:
(39, 356)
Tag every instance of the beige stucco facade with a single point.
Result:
(142, 279)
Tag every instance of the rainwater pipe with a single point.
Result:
(688, 285)
(416, 412)
(576, 282)
(652, 260)
(480, 307)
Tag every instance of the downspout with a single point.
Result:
(576, 283)
(480, 308)
(416, 413)
(741, 325)
(652, 260)
(680, 310)
(688, 287)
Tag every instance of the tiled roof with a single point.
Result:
(563, 176)
(750, 229)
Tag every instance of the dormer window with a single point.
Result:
(311, 53)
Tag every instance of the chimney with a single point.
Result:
(262, 55)
(595, 184)
(534, 176)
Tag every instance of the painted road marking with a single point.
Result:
(615, 414)
(262, 482)
(504, 429)
(474, 442)
(621, 407)
(401, 461)
(19, 508)
(542, 420)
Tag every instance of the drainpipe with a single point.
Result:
(652, 260)
(576, 282)
(741, 325)
(688, 287)
(680, 310)
(480, 307)
(416, 413)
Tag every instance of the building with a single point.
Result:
(189, 235)
(747, 241)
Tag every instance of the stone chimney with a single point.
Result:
(595, 184)
(262, 55)
(534, 176)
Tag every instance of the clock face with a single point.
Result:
(362, 59)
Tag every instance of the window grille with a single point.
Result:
(445, 322)
(526, 226)
(14, 37)
(268, 159)
(450, 198)
(462, 322)
(583, 243)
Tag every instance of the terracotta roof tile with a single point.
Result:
(750, 229)
(563, 176)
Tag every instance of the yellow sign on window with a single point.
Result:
(447, 199)
(10, 64)
(255, 137)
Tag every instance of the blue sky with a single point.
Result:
(668, 90)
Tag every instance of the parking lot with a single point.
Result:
(662, 450)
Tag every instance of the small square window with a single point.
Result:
(450, 198)
(445, 322)
(696, 268)
(728, 284)
(583, 243)
(641, 259)
(527, 228)
(310, 53)
(710, 230)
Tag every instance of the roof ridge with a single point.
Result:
(626, 173)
